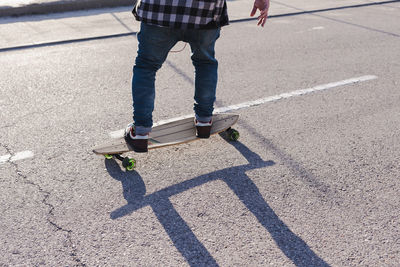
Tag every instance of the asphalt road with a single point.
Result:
(313, 181)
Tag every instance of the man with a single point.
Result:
(163, 24)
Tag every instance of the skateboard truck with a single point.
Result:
(128, 163)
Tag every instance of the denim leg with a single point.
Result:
(154, 44)
(202, 43)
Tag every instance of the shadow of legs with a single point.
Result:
(181, 234)
(235, 177)
(291, 245)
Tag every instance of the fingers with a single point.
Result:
(253, 12)
(262, 18)
(263, 6)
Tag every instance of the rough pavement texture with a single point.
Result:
(313, 180)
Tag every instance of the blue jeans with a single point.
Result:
(154, 44)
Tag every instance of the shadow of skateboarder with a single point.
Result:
(180, 233)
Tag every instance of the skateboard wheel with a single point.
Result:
(132, 165)
(233, 134)
(129, 164)
(108, 156)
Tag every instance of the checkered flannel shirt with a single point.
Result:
(182, 14)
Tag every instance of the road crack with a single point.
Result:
(45, 201)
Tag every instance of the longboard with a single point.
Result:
(167, 134)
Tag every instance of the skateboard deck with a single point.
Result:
(171, 133)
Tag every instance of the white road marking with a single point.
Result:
(120, 133)
(4, 158)
(117, 134)
(295, 93)
(22, 155)
(317, 28)
(18, 156)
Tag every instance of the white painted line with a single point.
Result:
(120, 133)
(317, 28)
(22, 155)
(117, 134)
(4, 158)
(19, 156)
(295, 93)
(173, 119)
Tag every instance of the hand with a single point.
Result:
(263, 6)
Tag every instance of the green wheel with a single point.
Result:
(129, 164)
(132, 165)
(108, 156)
(233, 134)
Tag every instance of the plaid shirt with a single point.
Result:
(182, 14)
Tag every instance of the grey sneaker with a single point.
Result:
(203, 128)
(139, 143)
